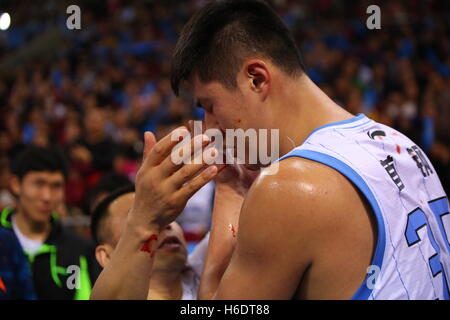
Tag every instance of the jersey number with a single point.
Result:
(417, 219)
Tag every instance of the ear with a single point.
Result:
(258, 75)
(14, 184)
(103, 254)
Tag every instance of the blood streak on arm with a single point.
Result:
(147, 246)
(232, 229)
(221, 169)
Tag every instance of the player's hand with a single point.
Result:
(162, 186)
(233, 177)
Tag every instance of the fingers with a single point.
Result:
(164, 186)
(149, 143)
(188, 189)
(183, 153)
(163, 148)
(194, 167)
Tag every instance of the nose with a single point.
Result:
(169, 227)
(46, 194)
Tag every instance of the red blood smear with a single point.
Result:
(233, 230)
(221, 169)
(398, 149)
(147, 246)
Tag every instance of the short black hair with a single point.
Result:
(36, 158)
(108, 183)
(220, 36)
(101, 213)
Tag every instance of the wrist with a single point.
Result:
(141, 230)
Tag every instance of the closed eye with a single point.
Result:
(199, 105)
(205, 104)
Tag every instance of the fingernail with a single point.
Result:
(179, 134)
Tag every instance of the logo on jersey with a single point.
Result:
(388, 165)
(377, 133)
(420, 160)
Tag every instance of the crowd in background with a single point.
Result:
(96, 90)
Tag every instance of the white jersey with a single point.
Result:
(191, 276)
(411, 258)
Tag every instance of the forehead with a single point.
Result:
(48, 176)
(122, 205)
(205, 90)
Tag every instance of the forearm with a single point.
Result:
(127, 275)
(227, 206)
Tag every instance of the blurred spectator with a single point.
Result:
(51, 249)
(91, 155)
(6, 197)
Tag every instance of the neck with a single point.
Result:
(303, 107)
(29, 228)
(165, 285)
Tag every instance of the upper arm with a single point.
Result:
(275, 238)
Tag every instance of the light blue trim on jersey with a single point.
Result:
(359, 125)
(338, 123)
(364, 291)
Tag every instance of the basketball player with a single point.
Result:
(355, 210)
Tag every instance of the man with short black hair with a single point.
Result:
(215, 43)
(108, 183)
(175, 275)
(38, 183)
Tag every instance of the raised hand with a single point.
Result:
(163, 186)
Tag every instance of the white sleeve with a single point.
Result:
(197, 258)
(191, 277)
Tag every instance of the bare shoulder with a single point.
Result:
(303, 198)
(300, 187)
(309, 217)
